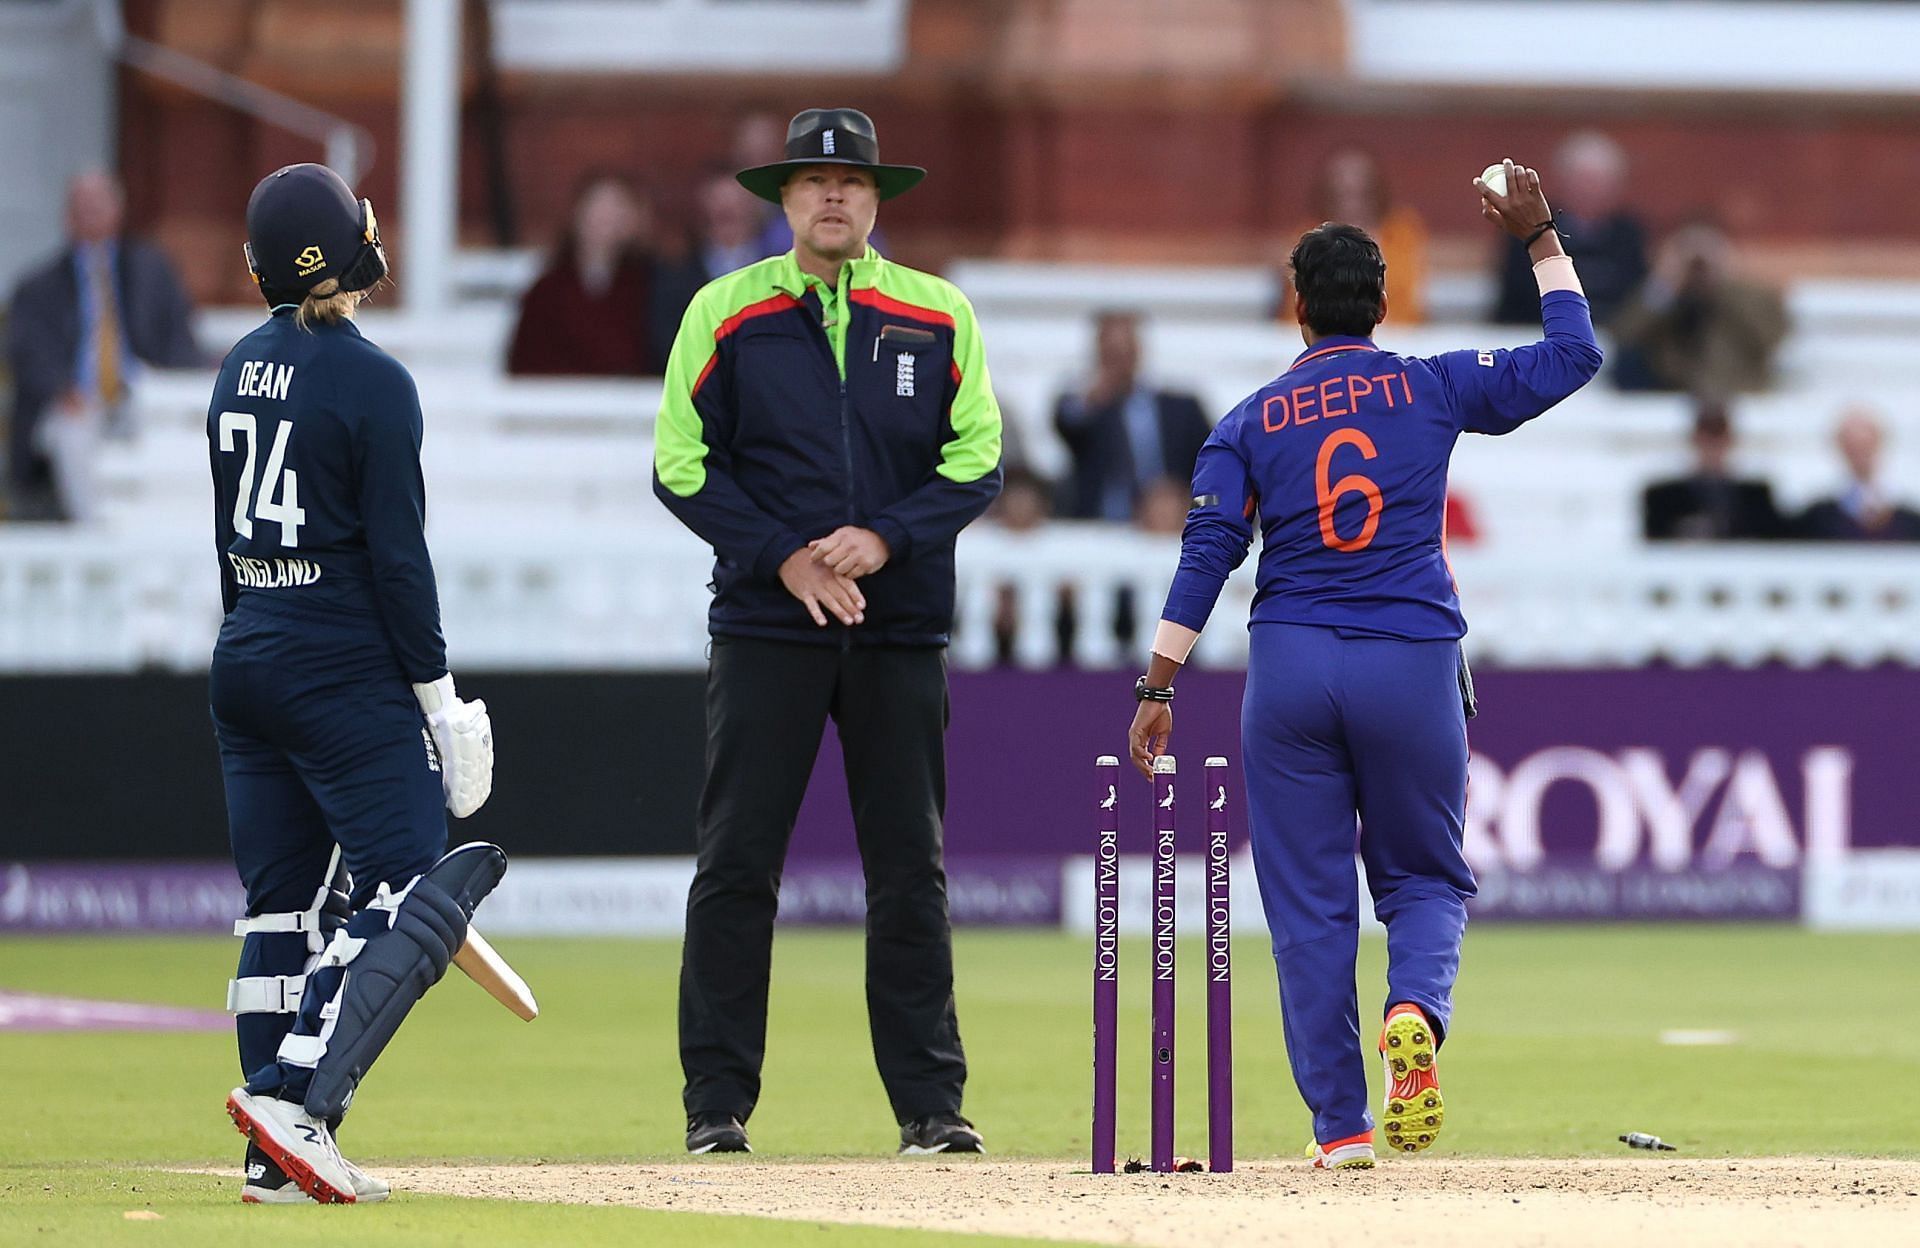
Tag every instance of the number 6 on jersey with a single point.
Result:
(1351, 483)
(286, 512)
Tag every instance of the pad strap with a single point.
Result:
(265, 994)
(299, 921)
(303, 1050)
(328, 911)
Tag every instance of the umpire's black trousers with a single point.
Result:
(767, 705)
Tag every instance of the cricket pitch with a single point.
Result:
(1476, 1203)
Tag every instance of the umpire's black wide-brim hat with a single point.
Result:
(830, 136)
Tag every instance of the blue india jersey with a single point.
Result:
(1341, 462)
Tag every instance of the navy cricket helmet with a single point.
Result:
(305, 226)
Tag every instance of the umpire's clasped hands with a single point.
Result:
(822, 576)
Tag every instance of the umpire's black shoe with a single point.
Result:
(716, 1131)
(941, 1133)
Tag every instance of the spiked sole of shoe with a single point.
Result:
(1415, 1110)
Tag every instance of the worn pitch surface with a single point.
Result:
(1478, 1203)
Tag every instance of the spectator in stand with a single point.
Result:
(1697, 325)
(589, 313)
(761, 139)
(726, 237)
(1602, 235)
(1350, 189)
(1161, 512)
(1123, 434)
(1025, 504)
(1710, 503)
(83, 325)
(1163, 506)
(1863, 512)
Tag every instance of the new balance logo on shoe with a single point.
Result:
(313, 1136)
(256, 1170)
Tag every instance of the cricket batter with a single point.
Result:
(342, 742)
(1356, 690)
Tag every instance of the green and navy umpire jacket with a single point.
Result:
(792, 408)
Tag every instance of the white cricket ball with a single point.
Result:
(1495, 176)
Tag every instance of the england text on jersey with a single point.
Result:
(272, 573)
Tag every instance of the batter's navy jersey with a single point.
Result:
(319, 505)
(1342, 461)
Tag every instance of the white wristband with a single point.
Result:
(1174, 641)
(435, 695)
(1556, 273)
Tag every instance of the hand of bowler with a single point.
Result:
(1521, 208)
(1152, 729)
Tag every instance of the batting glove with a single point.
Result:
(463, 735)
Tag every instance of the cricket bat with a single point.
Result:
(488, 969)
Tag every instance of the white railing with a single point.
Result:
(79, 600)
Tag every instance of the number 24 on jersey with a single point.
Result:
(279, 479)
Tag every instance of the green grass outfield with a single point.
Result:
(1556, 1051)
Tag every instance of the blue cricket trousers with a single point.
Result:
(1337, 726)
(321, 742)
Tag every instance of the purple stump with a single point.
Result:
(1219, 973)
(1163, 947)
(1106, 958)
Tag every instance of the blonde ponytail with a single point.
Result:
(327, 304)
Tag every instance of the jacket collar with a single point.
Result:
(791, 278)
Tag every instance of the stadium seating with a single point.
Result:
(552, 549)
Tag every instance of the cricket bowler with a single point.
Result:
(1357, 694)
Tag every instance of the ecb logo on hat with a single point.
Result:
(309, 261)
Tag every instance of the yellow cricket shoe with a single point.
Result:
(1353, 1153)
(1415, 1110)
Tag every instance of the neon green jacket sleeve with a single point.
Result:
(691, 463)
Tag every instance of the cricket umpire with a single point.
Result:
(828, 427)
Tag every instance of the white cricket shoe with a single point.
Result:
(367, 1190)
(268, 1184)
(297, 1142)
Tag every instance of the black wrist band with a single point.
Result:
(1551, 224)
(1144, 692)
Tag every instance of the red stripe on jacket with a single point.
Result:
(872, 298)
(766, 307)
